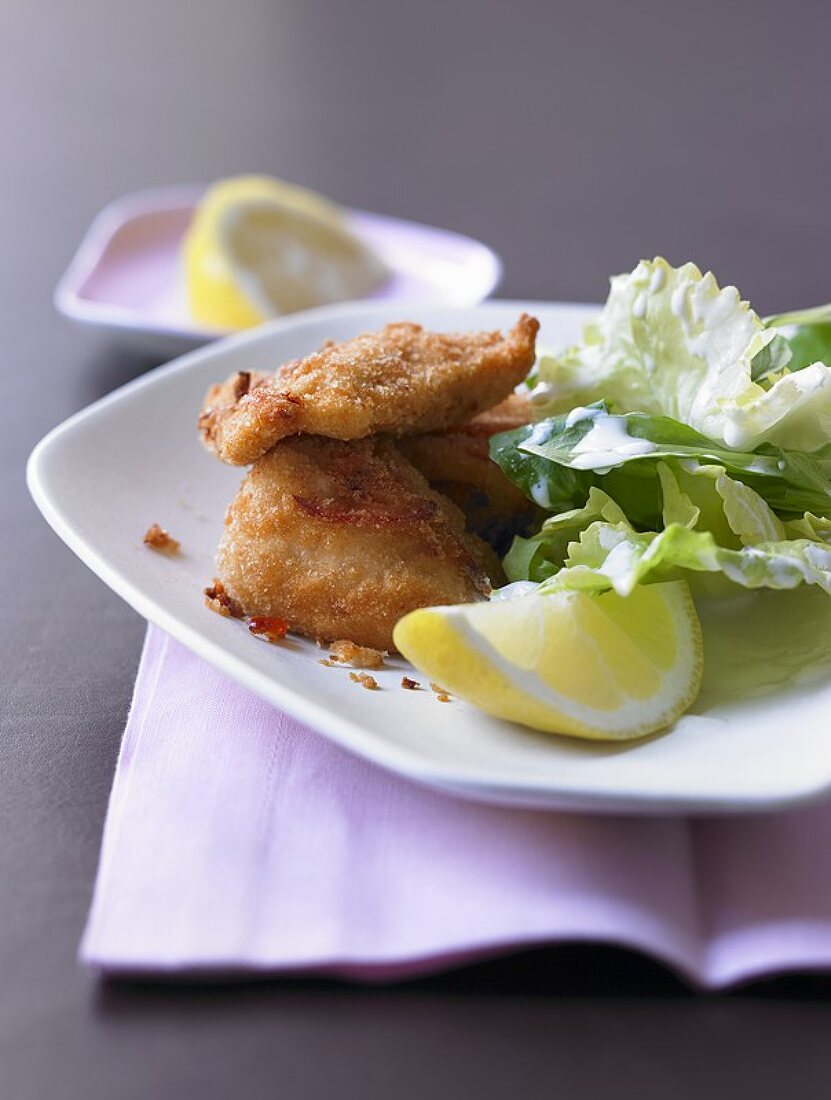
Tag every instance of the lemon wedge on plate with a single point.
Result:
(258, 248)
(604, 667)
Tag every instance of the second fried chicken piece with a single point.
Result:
(341, 539)
(457, 463)
(401, 381)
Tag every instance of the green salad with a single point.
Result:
(680, 457)
(683, 437)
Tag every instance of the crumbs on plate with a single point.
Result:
(160, 540)
(268, 627)
(358, 656)
(410, 685)
(442, 695)
(218, 600)
(365, 680)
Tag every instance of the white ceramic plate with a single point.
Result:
(134, 458)
(126, 276)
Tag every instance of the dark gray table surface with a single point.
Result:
(575, 138)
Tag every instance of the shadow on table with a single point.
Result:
(565, 971)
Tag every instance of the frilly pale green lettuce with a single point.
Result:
(684, 437)
(595, 548)
(710, 523)
(670, 342)
(701, 499)
(614, 556)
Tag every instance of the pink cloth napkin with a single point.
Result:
(237, 839)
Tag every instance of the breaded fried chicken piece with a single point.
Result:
(341, 539)
(400, 381)
(457, 463)
(515, 411)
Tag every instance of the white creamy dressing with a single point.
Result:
(579, 414)
(659, 277)
(607, 444)
(678, 301)
(785, 573)
(540, 494)
(733, 435)
(818, 556)
(539, 434)
(620, 565)
(515, 590)
(760, 465)
(608, 538)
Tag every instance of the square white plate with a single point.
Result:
(134, 458)
(126, 277)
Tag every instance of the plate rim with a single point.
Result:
(571, 797)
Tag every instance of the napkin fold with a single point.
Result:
(237, 839)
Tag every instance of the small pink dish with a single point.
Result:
(126, 276)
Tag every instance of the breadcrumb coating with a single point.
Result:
(341, 539)
(402, 380)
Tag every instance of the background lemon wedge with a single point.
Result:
(258, 248)
(602, 667)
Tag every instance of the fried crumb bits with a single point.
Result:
(410, 685)
(327, 663)
(269, 628)
(442, 695)
(218, 600)
(362, 678)
(358, 656)
(160, 540)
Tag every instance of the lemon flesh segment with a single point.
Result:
(603, 667)
(259, 248)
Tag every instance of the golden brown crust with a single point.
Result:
(343, 538)
(515, 411)
(222, 397)
(400, 381)
(457, 463)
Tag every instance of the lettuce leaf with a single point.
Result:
(816, 315)
(773, 358)
(733, 534)
(555, 489)
(809, 526)
(557, 460)
(671, 342)
(809, 338)
(615, 556)
(808, 344)
(541, 555)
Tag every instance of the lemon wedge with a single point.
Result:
(258, 248)
(603, 667)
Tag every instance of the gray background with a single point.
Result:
(574, 138)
